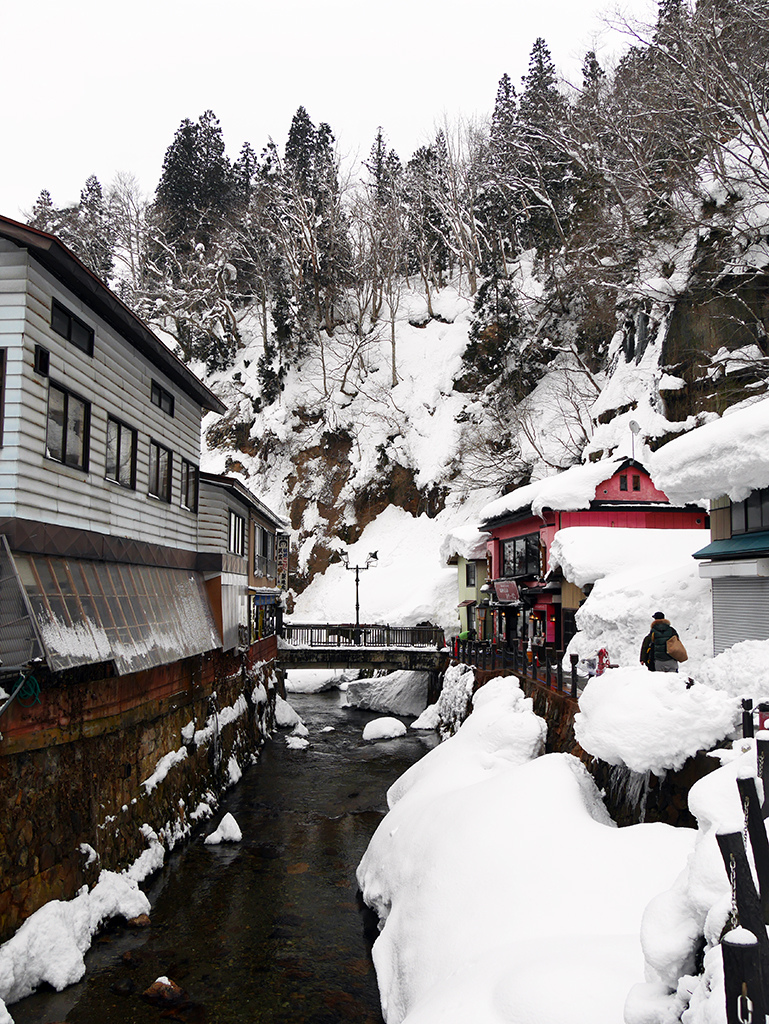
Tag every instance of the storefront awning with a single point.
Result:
(135, 616)
(465, 604)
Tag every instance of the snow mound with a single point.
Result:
(384, 729)
(428, 719)
(651, 721)
(285, 716)
(227, 832)
(297, 743)
(399, 693)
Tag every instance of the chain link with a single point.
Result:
(744, 1006)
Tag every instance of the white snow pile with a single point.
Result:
(572, 489)
(287, 718)
(297, 742)
(399, 693)
(316, 680)
(428, 720)
(725, 456)
(467, 930)
(697, 905)
(740, 670)
(227, 832)
(50, 945)
(453, 704)
(588, 553)
(466, 541)
(384, 729)
(651, 721)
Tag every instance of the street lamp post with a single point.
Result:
(358, 569)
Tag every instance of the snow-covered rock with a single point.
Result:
(384, 729)
(227, 832)
(399, 693)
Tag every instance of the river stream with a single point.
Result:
(269, 930)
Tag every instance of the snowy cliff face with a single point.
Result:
(346, 443)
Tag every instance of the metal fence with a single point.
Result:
(345, 635)
(544, 666)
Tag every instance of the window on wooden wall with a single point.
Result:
(623, 483)
(751, 515)
(636, 482)
(68, 428)
(520, 556)
(161, 467)
(189, 486)
(161, 398)
(71, 327)
(469, 574)
(237, 533)
(3, 355)
(121, 453)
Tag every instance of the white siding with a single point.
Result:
(116, 380)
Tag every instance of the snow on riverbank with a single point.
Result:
(462, 871)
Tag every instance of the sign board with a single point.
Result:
(507, 590)
(281, 559)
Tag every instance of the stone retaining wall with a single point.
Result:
(85, 768)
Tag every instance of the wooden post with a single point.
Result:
(743, 982)
(757, 832)
(747, 717)
(574, 658)
(762, 759)
(745, 896)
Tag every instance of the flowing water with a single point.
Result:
(269, 930)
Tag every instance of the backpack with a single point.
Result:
(676, 649)
(647, 651)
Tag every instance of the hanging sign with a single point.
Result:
(507, 590)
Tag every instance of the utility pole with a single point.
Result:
(358, 569)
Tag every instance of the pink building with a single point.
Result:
(525, 602)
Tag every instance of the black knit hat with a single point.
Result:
(658, 615)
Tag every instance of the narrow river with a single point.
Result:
(269, 930)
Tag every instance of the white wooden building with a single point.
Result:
(101, 531)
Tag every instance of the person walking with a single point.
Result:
(656, 644)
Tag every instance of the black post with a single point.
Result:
(762, 758)
(757, 832)
(745, 896)
(747, 717)
(574, 658)
(548, 671)
(559, 671)
(742, 978)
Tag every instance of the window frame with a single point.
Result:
(526, 558)
(755, 506)
(85, 450)
(236, 534)
(154, 471)
(122, 426)
(190, 475)
(623, 482)
(470, 573)
(60, 310)
(162, 398)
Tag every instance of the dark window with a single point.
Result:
(69, 420)
(752, 514)
(121, 453)
(469, 574)
(623, 483)
(520, 556)
(237, 533)
(2, 392)
(161, 465)
(161, 398)
(636, 483)
(189, 485)
(42, 360)
(68, 326)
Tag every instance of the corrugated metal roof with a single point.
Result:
(743, 545)
(18, 635)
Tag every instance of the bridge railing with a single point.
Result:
(303, 634)
(544, 666)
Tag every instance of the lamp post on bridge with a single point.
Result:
(358, 569)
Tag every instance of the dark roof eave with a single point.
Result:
(64, 265)
(745, 545)
(241, 491)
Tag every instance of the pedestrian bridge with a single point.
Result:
(346, 645)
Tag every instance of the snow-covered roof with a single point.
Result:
(588, 553)
(726, 456)
(465, 542)
(567, 491)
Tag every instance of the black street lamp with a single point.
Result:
(358, 569)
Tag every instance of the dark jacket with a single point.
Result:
(662, 631)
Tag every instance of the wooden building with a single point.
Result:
(528, 603)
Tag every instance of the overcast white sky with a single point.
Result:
(93, 87)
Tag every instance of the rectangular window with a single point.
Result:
(68, 428)
(636, 483)
(520, 556)
(237, 533)
(161, 466)
(623, 483)
(738, 517)
(70, 327)
(753, 511)
(161, 398)
(189, 485)
(469, 574)
(121, 453)
(2, 392)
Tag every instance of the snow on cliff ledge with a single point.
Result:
(725, 456)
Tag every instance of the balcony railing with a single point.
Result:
(544, 666)
(347, 635)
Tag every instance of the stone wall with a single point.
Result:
(85, 768)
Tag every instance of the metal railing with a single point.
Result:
(543, 666)
(349, 635)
